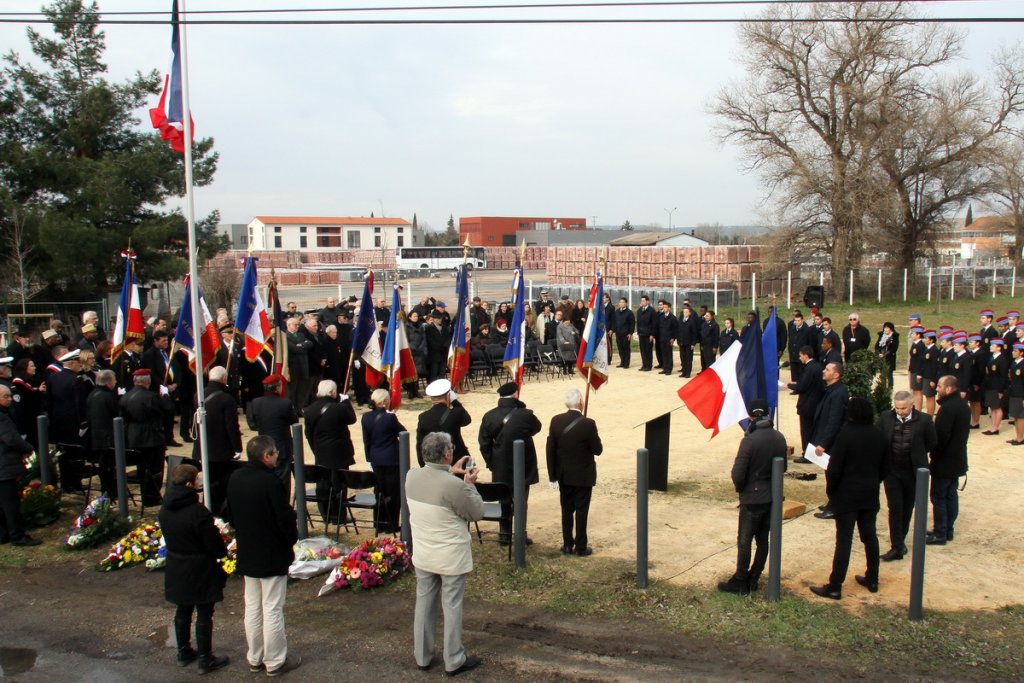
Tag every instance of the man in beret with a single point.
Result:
(144, 412)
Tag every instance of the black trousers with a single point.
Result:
(331, 489)
(659, 351)
(899, 493)
(686, 359)
(387, 514)
(11, 527)
(575, 501)
(151, 474)
(796, 369)
(505, 528)
(646, 356)
(865, 523)
(665, 357)
(204, 627)
(624, 347)
(707, 356)
(806, 430)
(754, 524)
(220, 472)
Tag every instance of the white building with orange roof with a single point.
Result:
(329, 233)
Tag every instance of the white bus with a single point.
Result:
(439, 258)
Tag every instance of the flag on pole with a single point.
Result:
(396, 362)
(770, 352)
(168, 115)
(458, 352)
(129, 323)
(515, 350)
(278, 342)
(719, 396)
(366, 335)
(593, 354)
(184, 337)
(251, 319)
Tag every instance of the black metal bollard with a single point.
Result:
(519, 500)
(120, 467)
(43, 452)
(403, 471)
(775, 533)
(917, 559)
(642, 479)
(299, 463)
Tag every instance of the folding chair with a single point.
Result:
(480, 368)
(73, 454)
(496, 356)
(494, 494)
(547, 359)
(314, 475)
(359, 480)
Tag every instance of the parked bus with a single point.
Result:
(439, 258)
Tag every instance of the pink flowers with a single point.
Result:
(371, 564)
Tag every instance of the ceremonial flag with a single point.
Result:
(278, 343)
(184, 338)
(458, 352)
(366, 336)
(770, 352)
(129, 323)
(718, 397)
(168, 115)
(251, 319)
(593, 353)
(515, 350)
(396, 361)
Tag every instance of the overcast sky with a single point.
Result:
(564, 120)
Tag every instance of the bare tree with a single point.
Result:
(17, 279)
(1006, 181)
(221, 281)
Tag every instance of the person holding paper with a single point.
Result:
(830, 416)
(855, 470)
(808, 388)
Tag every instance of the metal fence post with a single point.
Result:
(904, 284)
(775, 533)
(917, 558)
(879, 285)
(299, 463)
(519, 500)
(403, 471)
(642, 478)
(43, 452)
(789, 288)
(929, 283)
(121, 464)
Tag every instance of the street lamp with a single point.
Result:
(670, 212)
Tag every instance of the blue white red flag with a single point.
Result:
(770, 352)
(184, 338)
(592, 359)
(366, 335)
(278, 342)
(168, 115)
(251, 319)
(515, 350)
(129, 324)
(721, 395)
(396, 361)
(458, 352)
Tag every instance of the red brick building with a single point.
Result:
(500, 231)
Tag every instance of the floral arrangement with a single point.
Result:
(160, 560)
(316, 554)
(139, 546)
(230, 562)
(40, 505)
(373, 563)
(97, 523)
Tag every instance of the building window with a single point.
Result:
(376, 240)
(302, 229)
(277, 229)
(400, 231)
(376, 230)
(302, 241)
(277, 241)
(328, 237)
(401, 240)
(353, 239)
(524, 226)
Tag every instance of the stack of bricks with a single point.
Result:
(504, 258)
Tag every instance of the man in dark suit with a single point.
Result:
(445, 415)
(101, 407)
(799, 337)
(910, 435)
(66, 395)
(273, 415)
(223, 436)
(437, 347)
(828, 333)
(327, 430)
(144, 412)
(625, 325)
(808, 390)
(646, 327)
(157, 361)
(668, 329)
(688, 336)
(572, 444)
(127, 363)
(710, 337)
(501, 427)
(829, 416)
(299, 346)
(949, 459)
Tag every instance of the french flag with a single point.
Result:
(366, 336)
(515, 350)
(396, 362)
(129, 323)
(593, 354)
(718, 397)
(458, 352)
(251, 318)
(184, 338)
(168, 115)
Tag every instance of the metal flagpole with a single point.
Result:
(193, 257)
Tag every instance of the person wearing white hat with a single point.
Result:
(65, 399)
(6, 371)
(445, 415)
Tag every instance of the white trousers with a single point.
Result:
(264, 620)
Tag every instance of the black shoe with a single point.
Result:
(665, 372)
(468, 665)
(867, 583)
(567, 550)
(930, 539)
(426, 667)
(735, 585)
(949, 535)
(893, 554)
(25, 541)
(186, 655)
(584, 552)
(291, 662)
(825, 514)
(754, 583)
(802, 461)
(827, 591)
(645, 369)
(529, 541)
(208, 663)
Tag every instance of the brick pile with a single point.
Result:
(692, 266)
(504, 258)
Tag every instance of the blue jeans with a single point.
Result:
(945, 505)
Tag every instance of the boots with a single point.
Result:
(736, 584)
(754, 582)
(204, 641)
(183, 636)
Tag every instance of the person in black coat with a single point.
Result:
(800, 335)
(855, 469)
(667, 330)
(299, 347)
(445, 415)
(855, 337)
(728, 336)
(752, 475)
(710, 336)
(887, 346)
(910, 435)
(830, 415)
(144, 413)
(13, 451)
(949, 459)
(687, 336)
(572, 445)
(273, 415)
(27, 403)
(380, 444)
(265, 533)
(66, 394)
(158, 362)
(646, 329)
(437, 347)
(327, 421)
(337, 349)
(808, 389)
(500, 428)
(625, 325)
(102, 406)
(223, 436)
(193, 580)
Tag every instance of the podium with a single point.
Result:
(656, 439)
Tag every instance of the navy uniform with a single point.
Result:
(961, 366)
(916, 352)
(929, 369)
(646, 319)
(668, 328)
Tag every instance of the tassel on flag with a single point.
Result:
(515, 351)
(184, 338)
(129, 323)
(458, 352)
(593, 354)
(168, 115)
(251, 319)
(366, 335)
(396, 362)
(278, 343)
